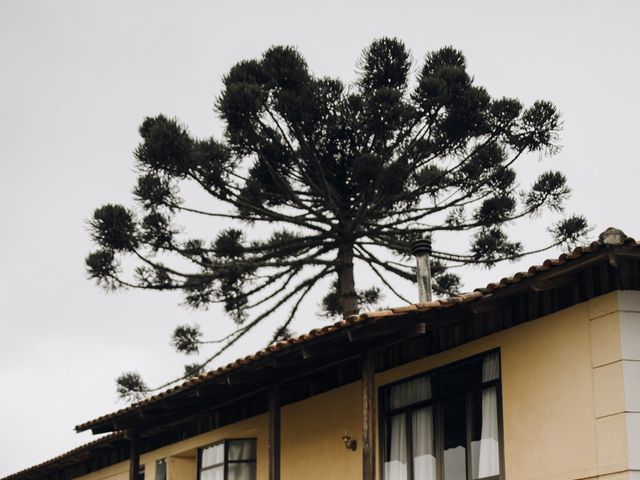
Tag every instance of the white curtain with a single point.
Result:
(242, 471)
(401, 395)
(213, 455)
(488, 456)
(215, 473)
(424, 459)
(161, 469)
(242, 450)
(396, 467)
(410, 392)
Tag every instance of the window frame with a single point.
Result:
(225, 462)
(436, 402)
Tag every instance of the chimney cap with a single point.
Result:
(421, 247)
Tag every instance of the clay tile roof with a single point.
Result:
(610, 237)
(105, 440)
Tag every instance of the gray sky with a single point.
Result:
(77, 77)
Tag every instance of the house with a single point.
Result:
(534, 377)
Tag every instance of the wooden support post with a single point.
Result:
(134, 454)
(274, 432)
(368, 416)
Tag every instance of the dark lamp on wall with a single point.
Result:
(349, 443)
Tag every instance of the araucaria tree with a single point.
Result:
(338, 174)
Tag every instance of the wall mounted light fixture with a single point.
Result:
(349, 443)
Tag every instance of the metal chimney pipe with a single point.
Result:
(421, 249)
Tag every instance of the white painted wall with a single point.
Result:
(629, 318)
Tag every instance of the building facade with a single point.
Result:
(534, 377)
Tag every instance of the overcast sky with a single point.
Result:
(77, 77)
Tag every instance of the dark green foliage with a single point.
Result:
(102, 266)
(570, 230)
(549, 189)
(228, 244)
(384, 67)
(200, 290)
(446, 284)
(193, 370)
(490, 245)
(443, 282)
(153, 191)
(331, 304)
(282, 333)
(186, 338)
(131, 387)
(114, 228)
(539, 128)
(331, 175)
(166, 147)
(156, 231)
(495, 209)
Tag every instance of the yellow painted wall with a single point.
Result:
(181, 456)
(119, 471)
(312, 429)
(551, 429)
(550, 425)
(181, 467)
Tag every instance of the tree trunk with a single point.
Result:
(346, 282)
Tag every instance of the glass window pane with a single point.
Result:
(161, 469)
(395, 458)
(242, 449)
(213, 455)
(461, 377)
(424, 458)
(470, 374)
(215, 473)
(455, 456)
(410, 392)
(484, 439)
(242, 471)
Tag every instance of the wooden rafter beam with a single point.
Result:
(251, 376)
(323, 349)
(274, 432)
(134, 454)
(390, 330)
(368, 416)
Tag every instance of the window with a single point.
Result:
(228, 460)
(444, 425)
(161, 469)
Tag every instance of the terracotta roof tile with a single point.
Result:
(404, 309)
